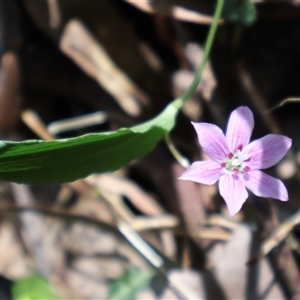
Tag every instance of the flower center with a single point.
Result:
(236, 162)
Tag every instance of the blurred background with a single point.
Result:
(73, 67)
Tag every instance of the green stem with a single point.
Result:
(211, 36)
(178, 156)
(166, 119)
(188, 93)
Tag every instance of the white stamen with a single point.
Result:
(235, 164)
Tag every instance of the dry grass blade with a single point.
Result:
(219, 220)
(117, 204)
(54, 14)
(33, 121)
(139, 244)
(283, 102)
(151, 57)
(10, 92)
(214, 234)
(112, 187)
(257, 99)
(145, 203)
(78, 43)
(280, 233)
(87, 120)
(176, 12)
(154, 222)
(118, 185)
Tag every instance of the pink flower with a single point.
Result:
(236, 163)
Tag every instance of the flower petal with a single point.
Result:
(212, 141)
(233, 190)
(263, 185)
(267, 151)
(239, 128)
(206, 172)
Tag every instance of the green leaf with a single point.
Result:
(33, 288)
(243, 11)
(66, 160)
(128, 285)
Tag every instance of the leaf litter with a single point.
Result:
(70, 233)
